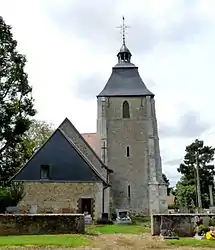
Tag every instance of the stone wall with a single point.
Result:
(52, 197)
(181, 224)
(41, 224)
(140, 171)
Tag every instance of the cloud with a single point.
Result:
(189, 125)
(170, 169)
(87, 87)
(173, 162)
(179, 22)
(86, 19)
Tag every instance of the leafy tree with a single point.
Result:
(185, 195)
(31, 140)
(204, 155)
(16, 102)
(166, 180)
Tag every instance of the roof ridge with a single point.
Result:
(88, 145)
(82, 155)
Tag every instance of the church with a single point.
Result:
(118, 167)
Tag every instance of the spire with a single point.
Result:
(124, 55)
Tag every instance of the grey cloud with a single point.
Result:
(89, 87)
(184, 29)
(190, 125)
(173, 162)
(96, 22)
(90, 20)
(172, 174)
(149, 82)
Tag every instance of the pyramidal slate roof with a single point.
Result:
(125, 79)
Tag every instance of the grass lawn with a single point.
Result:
(69, 240)
(106, 237)
(191, 242)
(117, 229)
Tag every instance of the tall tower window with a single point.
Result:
(125, 110)
(128, 152)
(129, 191)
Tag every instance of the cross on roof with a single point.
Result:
(123, 28)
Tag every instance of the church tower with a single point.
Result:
(129, 142)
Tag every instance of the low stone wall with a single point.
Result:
(181, 224)
(17, 224)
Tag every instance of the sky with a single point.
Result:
(71, 47)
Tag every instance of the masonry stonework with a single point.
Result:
(50, 197)
(181, 224)
(25, 224)
(139, 173)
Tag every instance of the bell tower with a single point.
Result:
(129, 141)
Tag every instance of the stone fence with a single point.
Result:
(17, 224)
(181, 224)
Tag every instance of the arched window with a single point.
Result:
(125, 110)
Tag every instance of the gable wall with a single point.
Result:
(53, 197)
(64, 161)
(68, 129)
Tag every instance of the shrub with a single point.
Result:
(10, 195)
(171, 206)
(212, 222)
(201, 230)
(140, 219)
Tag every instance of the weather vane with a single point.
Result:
(123, 28)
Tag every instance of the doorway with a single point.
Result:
(86, 205)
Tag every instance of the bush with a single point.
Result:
(202, 229)
(10, 195)
(212, 222)
(171, 206)
(137, 219)
(113, 216)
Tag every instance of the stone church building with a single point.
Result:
(117, 167)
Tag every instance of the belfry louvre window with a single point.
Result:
(125, 110)
(44, 172)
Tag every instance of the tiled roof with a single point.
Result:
(93, 140)
(170, 199)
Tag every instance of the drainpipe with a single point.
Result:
(103, 198)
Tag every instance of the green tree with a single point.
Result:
(16, 102)
(166, 180)
(31, 140)
(185, 195)
(204, 155)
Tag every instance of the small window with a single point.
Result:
(128, 152)
(129, 191)
(125, 110)
(44, 172)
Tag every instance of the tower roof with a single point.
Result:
(125, 79)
